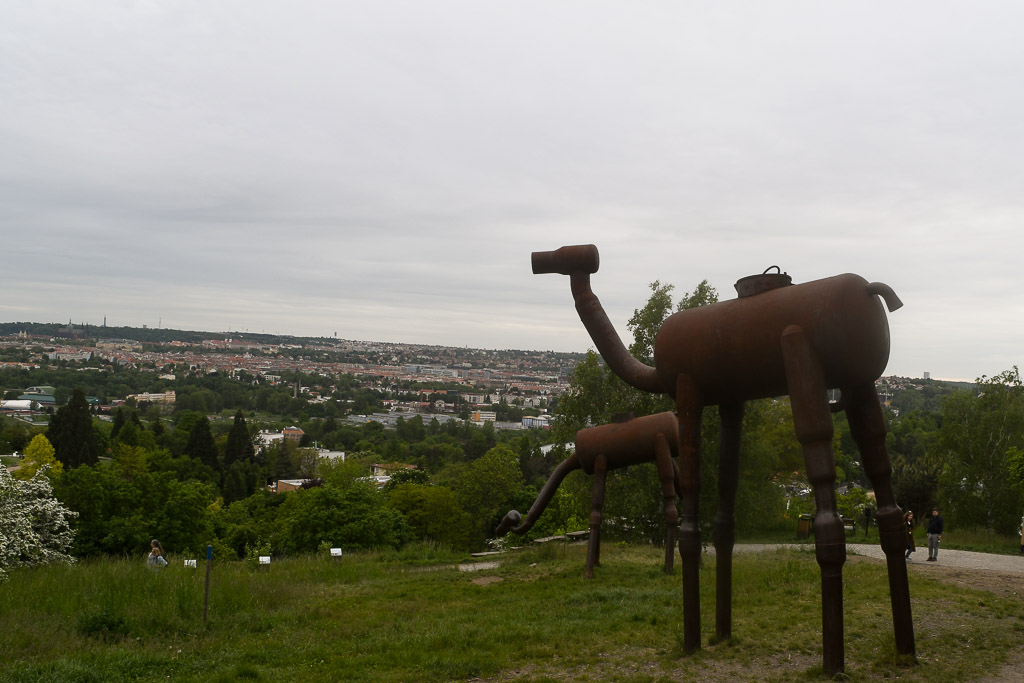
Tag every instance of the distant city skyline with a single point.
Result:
(241, 333)
(383, 170)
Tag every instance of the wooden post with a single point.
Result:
(206, 592)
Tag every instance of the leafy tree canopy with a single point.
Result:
(39, 454)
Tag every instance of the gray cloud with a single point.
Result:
(383, 171)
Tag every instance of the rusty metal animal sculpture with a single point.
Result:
(608, 447)
(777, 338)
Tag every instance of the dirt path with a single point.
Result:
(958, 559)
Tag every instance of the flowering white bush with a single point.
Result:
(34, 526)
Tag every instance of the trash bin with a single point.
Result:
(803, 527)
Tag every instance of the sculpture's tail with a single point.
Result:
(892, 302)
(513, 520)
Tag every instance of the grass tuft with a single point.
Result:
(100, 623)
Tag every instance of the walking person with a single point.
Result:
(156, 558)
(908, 520)
(935, 528)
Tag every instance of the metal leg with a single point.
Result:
(813, 421)
(868, 429)
(689, 406)
(667, 475)
(596, 506)
(725, 519)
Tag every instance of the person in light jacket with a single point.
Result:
(156, 558)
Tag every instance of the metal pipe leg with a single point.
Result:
(596, 507)
(689, 406)
(667, 475)
(725, 520)
(813, 421)
(868, 429)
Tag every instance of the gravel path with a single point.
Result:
(961, 559)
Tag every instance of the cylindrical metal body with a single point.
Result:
(625, 443)
(732, 348)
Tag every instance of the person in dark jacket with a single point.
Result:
(935, 528)
(908, 521)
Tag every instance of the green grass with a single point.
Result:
(396, 617)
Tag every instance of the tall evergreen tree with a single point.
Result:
(239, 447)
(240, 480)
(201, 445)
(119, 421)
(71, 433)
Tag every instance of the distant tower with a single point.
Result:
(104, 321)
(927, 375)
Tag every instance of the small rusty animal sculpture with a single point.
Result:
(777, 338)
(608, 447)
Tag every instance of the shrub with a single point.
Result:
(34, 526)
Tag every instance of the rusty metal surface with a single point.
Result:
(732, 348)
(653, 438)
(777, 338)
(625, 443)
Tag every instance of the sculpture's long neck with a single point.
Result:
(611, 348)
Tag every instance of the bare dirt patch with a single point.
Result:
(487, 580)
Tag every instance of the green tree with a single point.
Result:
(71, 433)
(411, 430)
(14, 436)
(981, 430)
(119, 422)
(201, 445)
(702, 295)
(433, 513)
(646, 321)
(916, 483)
(120, 508)
(405, 477)
(240, 480)
(239, 447)
(342, 474)
(488, 487)
(39, 454)
(356, 517)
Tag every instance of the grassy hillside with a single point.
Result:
(415, 616)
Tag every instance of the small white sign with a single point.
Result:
(191, 563)
(335, 552)
(264, 559)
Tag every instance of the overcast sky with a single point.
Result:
(382, 170)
